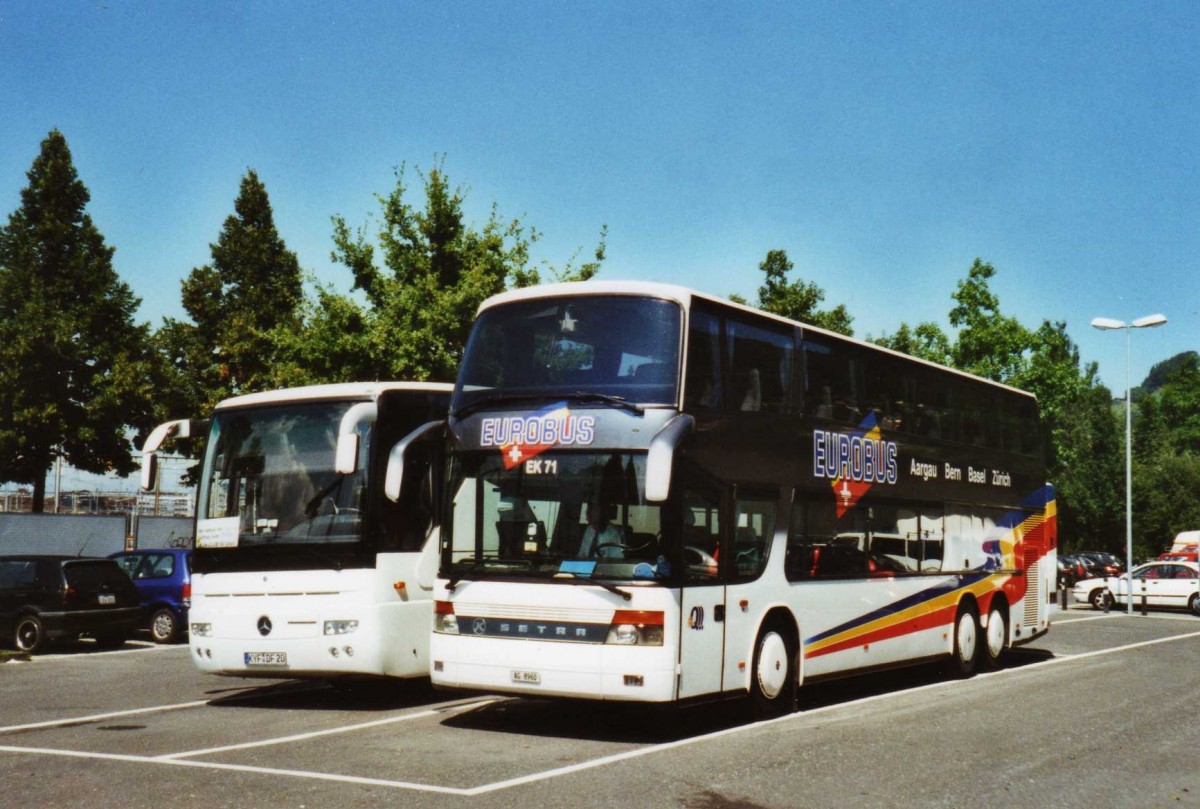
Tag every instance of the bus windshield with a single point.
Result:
(562, 515)
(269, 478)
(616, 346)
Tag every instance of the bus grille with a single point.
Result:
(1033, 588)
(512, 611)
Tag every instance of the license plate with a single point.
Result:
(266, 658)
(107, 599)
(530, 677)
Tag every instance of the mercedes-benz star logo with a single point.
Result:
(479, 626)
(264, 626)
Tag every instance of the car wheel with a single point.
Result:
(966, 641)
(772, 679)
(29, 635)
(1098, 597)
(164, 626)
(1194, 604)
(996, 636)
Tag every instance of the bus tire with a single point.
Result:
(996, 634)
(773, 675)
(966, 640)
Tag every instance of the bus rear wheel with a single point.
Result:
(996, 636)
(772, 678)
(966, 641)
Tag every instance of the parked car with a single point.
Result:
(163, 577)
(1105, 564)
(1070, 570)
(1165, 584)
(45, 598)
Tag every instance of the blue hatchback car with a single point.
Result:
(163, 577)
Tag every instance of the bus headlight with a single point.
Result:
(636, 628)
(444, 619)
(201, 630)
(340, 627)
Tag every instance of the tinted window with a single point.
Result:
(703, 383)
(759, 367)
(16, 573)
(754, 525)
(86, 575)
(613, 345)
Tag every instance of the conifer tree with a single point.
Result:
(76, 371)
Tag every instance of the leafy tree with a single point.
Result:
(252, 288)
(988, 344)
(797, 300)
(1161, 371)
(76, 372)
(420, 304)
(927, 341)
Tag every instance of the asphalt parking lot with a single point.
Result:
(1104, 711)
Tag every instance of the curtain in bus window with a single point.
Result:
(754, 527)
(759, 367)
(703, 378)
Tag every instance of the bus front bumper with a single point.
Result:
(554, 669)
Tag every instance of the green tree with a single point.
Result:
(927, 341)
(252, 288)
(76, 371)
(799, 299)
(988, 344)
(423, 276)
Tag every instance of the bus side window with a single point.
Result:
(755, 526)
(703, 378)
(798, 562)
(701, 534)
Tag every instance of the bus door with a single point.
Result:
(702, 616)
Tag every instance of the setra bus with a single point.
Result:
(655, 495)
(302, 567)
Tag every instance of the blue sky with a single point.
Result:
(884, 146)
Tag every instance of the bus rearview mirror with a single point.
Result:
(661, 457)
(149, 470)
(393, 479)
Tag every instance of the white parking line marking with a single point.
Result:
(88, 654)
(79, 720)
(572, 768)
(299, 737)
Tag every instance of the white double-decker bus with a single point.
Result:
(654, 495)
(302, 567)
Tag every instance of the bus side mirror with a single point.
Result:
(394, 478)
(180, 428)
(345, 461)
(661, 457)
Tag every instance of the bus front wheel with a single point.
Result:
(773, 678)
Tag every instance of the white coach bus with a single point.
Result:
(654, 495)
(302, 568)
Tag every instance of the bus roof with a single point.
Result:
(345, 390)
(684, 296)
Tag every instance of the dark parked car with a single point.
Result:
(163, 577)
(1105, 564)
(1070, 570)
(44, 598)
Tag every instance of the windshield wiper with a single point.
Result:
(618, 401)
(479, 564)
(612, 588)
(499, 398)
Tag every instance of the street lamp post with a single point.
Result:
(1108, 323)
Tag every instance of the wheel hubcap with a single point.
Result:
(772, 665)
(162, 625)
(995, 634)
(966, 638)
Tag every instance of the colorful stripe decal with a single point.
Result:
(935, 606)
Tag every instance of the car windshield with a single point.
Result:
(568, 516)
(269, 478)
(623, 347)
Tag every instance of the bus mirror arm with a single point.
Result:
(346, 455)
(180, 428)
(661, 457)
(394, 478)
